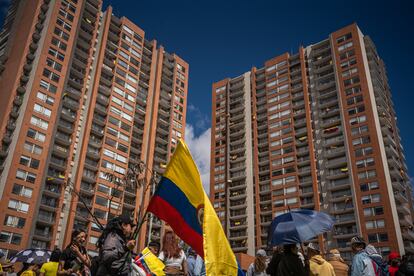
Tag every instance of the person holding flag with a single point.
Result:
(181, 201)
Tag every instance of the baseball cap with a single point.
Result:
(261, 253)
(394, 255)
(358, 240)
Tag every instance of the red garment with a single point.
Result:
(392, 270)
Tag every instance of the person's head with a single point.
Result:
(260, 261)
(334, 254)
(55, 256)
(358, 244)
(170, 245)
(313, 249)
(290, 248)
(127, 225)
(78, 237)
(154, 247)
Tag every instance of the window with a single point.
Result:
(374, 211)
(347, 54)
(345, 46)
(36, 121)
(21, 190)
(18, 206)
(348, 63)
(48, 87)
(64, 24)
(66, 14)
(344, 38)
(28, 161)
(42, 110)
(353, 90)
(368, 199)
(365, 163)
(375, 224)
(367, 174)
(358, 120)
(354, 100)
(50, 75)
(45, 98)
(53, 64)
(55, 53)
(61, 33)
(9, 237)
(32, 148)
(103, 189)
(359, 130)
(13, 221)
(369, 186)
(363, 151)
(351, 81)
(26, 176)
(101, 201)
(377, 237)
(361, 140)
(36, 135)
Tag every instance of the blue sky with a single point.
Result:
(226, 38)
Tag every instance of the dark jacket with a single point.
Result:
(407, 267)
(290, 264)
(274, 262)
(115, 258)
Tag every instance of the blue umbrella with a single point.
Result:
(298, 226)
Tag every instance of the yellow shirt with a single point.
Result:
(50, 268)
(1, 268)
(28, 273)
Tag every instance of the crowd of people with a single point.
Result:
(308, 260)
(116, 257)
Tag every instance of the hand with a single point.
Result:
(69, 271)
(75, 249)
(130, 244)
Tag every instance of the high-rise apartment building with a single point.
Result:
(84, 94)
(317, 130)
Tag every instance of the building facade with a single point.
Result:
(316, 130)
(85, 95)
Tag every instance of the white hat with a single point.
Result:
(261, 253)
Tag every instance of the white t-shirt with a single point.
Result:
(176, 262)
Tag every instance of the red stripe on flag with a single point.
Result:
(163, 210)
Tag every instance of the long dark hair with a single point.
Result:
(113, 226)
(55, 256)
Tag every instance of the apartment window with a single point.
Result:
(12, 238)
(13, 221)
(61, 33)
(377, 237)
(53, 64)
(101, 201)
(65, 14)
(69, 6)
(361, 140)
(29, 162)
(351, 81)
(36, 135)
(375, 224)
(50, 75)
(359, 130)
(345, 46)
(363, 151)
(358, 120)
(21, 190)
(61, 45)
(36, 121)
(64, 24)
(348, 63)
(45, 98)
(32, 148)
(368, 199)
(356, 110)
(42, 110)
(353, 90)
(26, 176)
(291, 200)
(365, 163)
(344, 38)
(354, 100)
(57, 54)
(48, 86)
(104, 189)
(374, 211)
(369, 186)
(367, 174)
(18, 206)
(347, 54)
(349, 72)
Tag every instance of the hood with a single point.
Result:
(317, 259)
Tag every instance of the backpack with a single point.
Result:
(381, 267)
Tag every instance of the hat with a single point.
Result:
(261, 253)
(125, 218)
(394, 255)
(314, 246)
(358, 240)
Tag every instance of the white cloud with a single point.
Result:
(200, 150)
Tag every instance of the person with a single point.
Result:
(115, 247)
(362, 264)
(290, 263)
(380, 266)
(74, 260)
(274, 262)
(394, 262)
(51, 268)
(154, 247)
(7, 269)
(258, 267)
(338, 264)
(31, 270)
(407, 266)
(172, 256)
(317, 264)
(191, 261)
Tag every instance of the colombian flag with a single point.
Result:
(180, 200)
